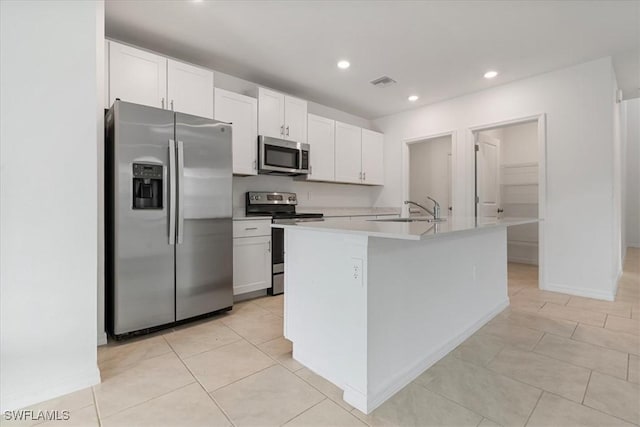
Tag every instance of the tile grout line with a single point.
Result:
(306, 410)
(628, 366)
(202, 386)
(95, 405)
(587, 387)
(534, 408)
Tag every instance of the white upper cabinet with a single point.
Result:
(189, 89)
(242, 112)
(348, 153)
(137, 76)
(372, 157)
(295, 119)
(321, 138)
(270, 113)
(281, 116)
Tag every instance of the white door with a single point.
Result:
(251, 264)
(137, 76)
(348, 153)
(270, 113)
(295, 119)
(190, 89)
(321, 137)
(242, 112)
(372, 157)
(487, 177)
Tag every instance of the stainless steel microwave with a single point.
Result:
(280, 157)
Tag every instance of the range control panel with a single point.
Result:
(271, 198)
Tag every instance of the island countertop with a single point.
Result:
(417, 230)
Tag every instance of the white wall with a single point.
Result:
(632, 173)
(48, 211)
(579, 218)
(429, 172)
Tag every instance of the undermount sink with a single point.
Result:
(414, 219)
(420, 219)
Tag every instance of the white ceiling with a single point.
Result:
(435, 49)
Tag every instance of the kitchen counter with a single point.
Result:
(418, 230)
(370, 305)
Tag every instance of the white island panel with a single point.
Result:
(370, 314)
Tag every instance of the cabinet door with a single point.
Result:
(190, 89)
(372, 157)
(251, 264)
(270, 113)
(295, 119)
(242, 112)
(137, 76)
(348, 158)
(321, 137)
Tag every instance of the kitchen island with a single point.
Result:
(370, 305)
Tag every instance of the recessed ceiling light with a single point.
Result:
(343, 65)
(490, 74)
(413, 98)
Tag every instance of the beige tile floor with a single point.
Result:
(548, 360)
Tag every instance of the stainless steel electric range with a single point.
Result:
(281, 207)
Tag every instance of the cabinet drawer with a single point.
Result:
(251, 228)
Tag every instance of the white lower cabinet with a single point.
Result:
(251, 256)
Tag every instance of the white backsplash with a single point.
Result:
(310, 194)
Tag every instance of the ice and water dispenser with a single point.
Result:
(147, 186)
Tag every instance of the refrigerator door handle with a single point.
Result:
(172, 192)
(180, 224)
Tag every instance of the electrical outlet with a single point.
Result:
(356, 271)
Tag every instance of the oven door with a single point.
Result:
(278, 156)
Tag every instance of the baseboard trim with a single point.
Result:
(581, 292)
(102, 338)
(62, 386)
(384, 392)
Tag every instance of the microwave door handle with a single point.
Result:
(172, 192)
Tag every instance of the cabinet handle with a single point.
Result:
(282, 130)
(364, 176)
(360, 175)
(287, 130)
(251, 228)
(310, 170)
(269, 245)
(172, 105)
(162, 102)
(255, 165)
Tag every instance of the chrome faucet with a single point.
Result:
(435, 213)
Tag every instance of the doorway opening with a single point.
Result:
(509, 164)
(430, 174)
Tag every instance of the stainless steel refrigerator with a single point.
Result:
(169, 243)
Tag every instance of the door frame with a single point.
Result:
(405, 165)
(541, 119)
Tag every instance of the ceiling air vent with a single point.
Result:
(383, 81)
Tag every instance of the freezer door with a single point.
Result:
(204, 245)
(143, 292)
